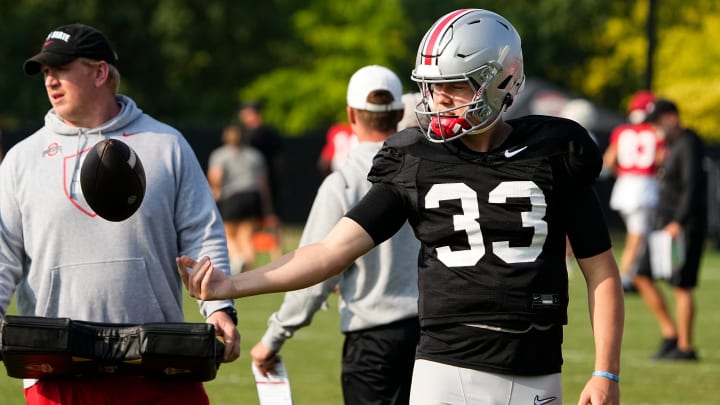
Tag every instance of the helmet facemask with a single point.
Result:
(445, 125)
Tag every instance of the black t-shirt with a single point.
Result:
(270, 143)
(682, 181)
(492, 229)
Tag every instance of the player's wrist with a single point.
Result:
(606, 374)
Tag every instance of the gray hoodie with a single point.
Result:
(379, 288)
(62, 260)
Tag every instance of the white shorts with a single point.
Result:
(631, 192)
(638, 221)
(436, 383)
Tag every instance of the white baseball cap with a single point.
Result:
(369, 79)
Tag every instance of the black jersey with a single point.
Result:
(492, 225)
(492, 228)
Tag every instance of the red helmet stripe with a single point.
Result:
(439, 28)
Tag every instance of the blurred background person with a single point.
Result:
(633, 155)
(268, 141)
(237, 174)
(638, 106)
(339, 141)
(682, 212)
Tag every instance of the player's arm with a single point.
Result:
(215, 176)
(589, 237)
(607, 316)
(302, 268)
(378, 216)
(610, 158)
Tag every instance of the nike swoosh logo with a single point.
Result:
(538, 401)
(126, 134)
(510, 153)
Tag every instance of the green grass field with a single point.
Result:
(313, 355)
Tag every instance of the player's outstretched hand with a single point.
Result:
(203, 280)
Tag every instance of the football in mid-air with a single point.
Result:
(112, 179)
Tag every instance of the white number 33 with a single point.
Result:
(468, 222)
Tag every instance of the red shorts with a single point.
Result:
(115, 390)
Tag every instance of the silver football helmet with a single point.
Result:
(476, 46)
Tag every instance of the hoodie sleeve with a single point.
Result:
(197, 219)
(12, 252)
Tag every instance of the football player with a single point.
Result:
(633, 155)
(491, 202)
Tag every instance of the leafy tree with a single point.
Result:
(687, 36)
(618, 62)
(687, 71)
(180, 59)
(337, 39)
(342, 37)
(191, 62)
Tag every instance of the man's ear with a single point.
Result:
(102, 73)
(351, 115)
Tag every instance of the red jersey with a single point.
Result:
(339, 142)
(637, 147)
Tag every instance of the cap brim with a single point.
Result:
(32, 66)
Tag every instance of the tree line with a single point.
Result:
(192, 62)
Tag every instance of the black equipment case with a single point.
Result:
(37, 347)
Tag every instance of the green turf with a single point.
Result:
(313, 355)
(643, 380)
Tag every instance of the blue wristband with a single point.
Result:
(605, 374)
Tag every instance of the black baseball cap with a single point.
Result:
(69, 42)
(659, 107)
